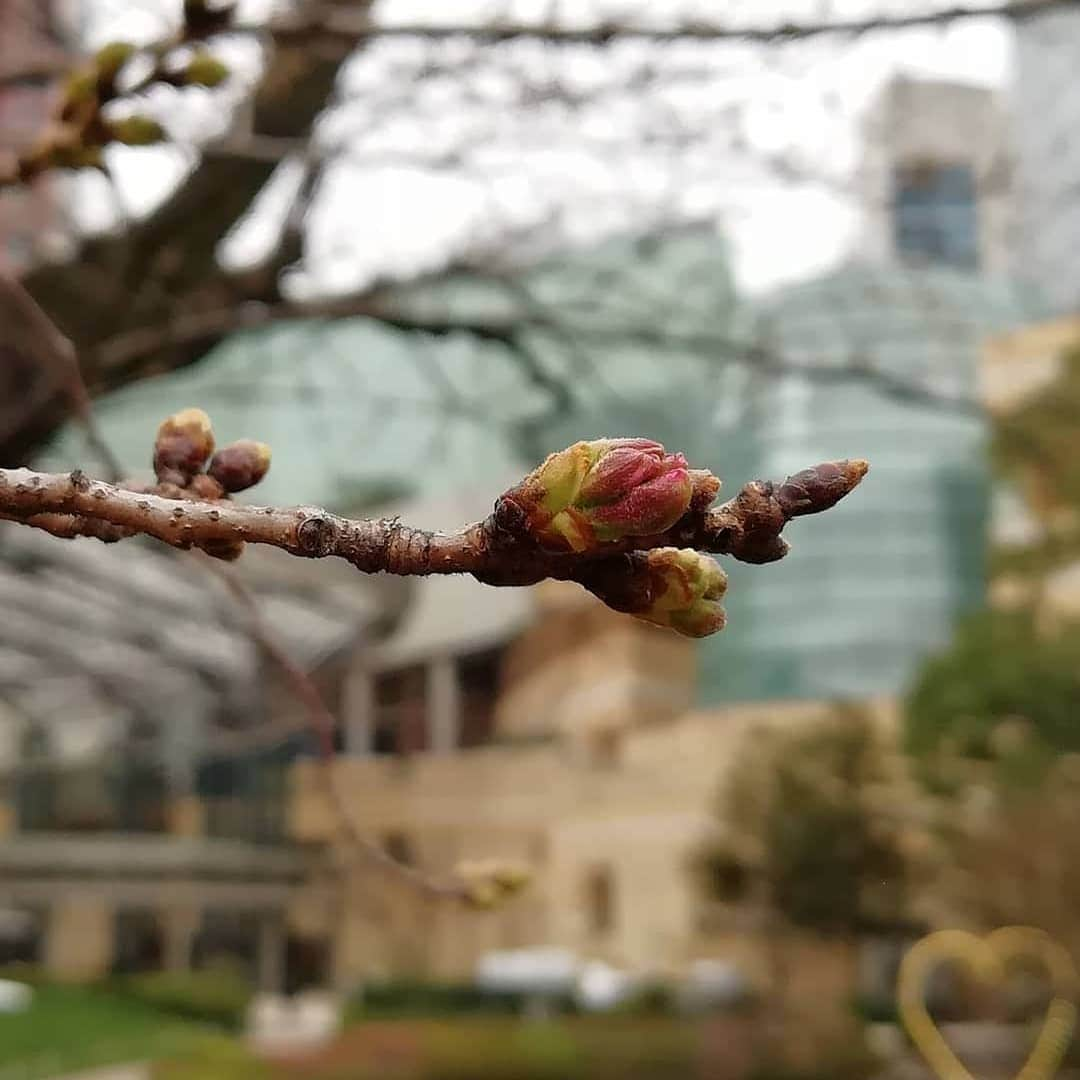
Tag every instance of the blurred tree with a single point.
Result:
(991, 722)
(811, 828)
(814, 835)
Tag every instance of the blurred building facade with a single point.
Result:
(529, 724)
(1045, 125)
(936, 180)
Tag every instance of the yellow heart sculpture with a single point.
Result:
(988, 957)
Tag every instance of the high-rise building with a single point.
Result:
(935, 177)
(1046, 130)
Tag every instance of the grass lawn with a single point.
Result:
(68, 1028)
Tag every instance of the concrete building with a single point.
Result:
(936, 177)
(527, 724)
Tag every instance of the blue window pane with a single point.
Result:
(935, 214)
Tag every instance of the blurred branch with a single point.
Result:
(55, 353)
(345, 24)
(205, 328)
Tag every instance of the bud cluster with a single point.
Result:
(188, 466)
(596, 492)
(84, 121)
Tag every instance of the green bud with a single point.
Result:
(112, 57)
(136, 131)
(205, 69)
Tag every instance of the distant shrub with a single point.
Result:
(215, 996)
(405, 998)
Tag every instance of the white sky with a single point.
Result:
(450, 162)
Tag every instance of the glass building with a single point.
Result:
(647, 338)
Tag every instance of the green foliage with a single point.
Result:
(502, 1048)
(212, 1059)
(68, 1028)
(1004, 692)
(651, 998)
(215, 996)
(418, 998)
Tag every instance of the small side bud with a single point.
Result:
(671, 587)
(205, 69)
(820, 487)
(136, 131)
(184, 443)
(240, 465)
(110, 58)
(491, 882)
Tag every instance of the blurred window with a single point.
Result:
(479, 679)
(935, 215)
(600, 899)
(401, 725)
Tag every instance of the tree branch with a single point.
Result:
(347, 25)
(495, 551)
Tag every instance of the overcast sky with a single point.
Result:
(447, 149)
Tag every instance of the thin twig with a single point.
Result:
(342, 23)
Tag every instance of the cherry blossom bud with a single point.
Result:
(205, 69)
(136, 131)
(111, 58)
(184, 443)
(672, 587)
(240, 465)
(600, 491)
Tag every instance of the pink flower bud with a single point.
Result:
(601, 491)
(648, 508)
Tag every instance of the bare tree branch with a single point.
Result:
(343, 23)
(747, 527)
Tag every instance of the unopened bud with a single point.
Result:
(492, 881)
(820, 487)
(184, 443)
(672, 587)
(596, 492)
(205, 69)
(136, 131)
(111, 58)
(482, 895)
(240, 465)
